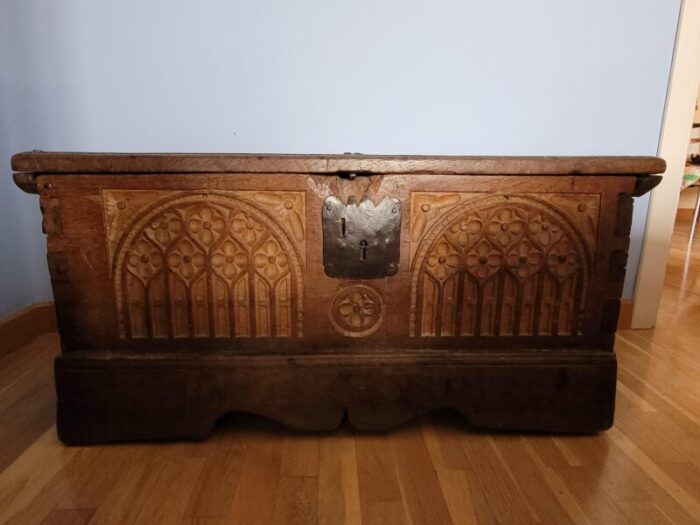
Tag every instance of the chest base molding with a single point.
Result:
(179, 397)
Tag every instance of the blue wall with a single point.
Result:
(392, 76)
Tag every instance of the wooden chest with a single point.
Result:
(313, 288)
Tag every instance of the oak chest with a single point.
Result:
(313, 288)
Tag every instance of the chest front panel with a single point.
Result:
(236, 262)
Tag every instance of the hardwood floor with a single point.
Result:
(432, 471)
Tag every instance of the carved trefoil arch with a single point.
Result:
(223, 265)
(500, 265)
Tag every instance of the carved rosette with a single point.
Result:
(209, 265)
(356, 311)
(497, 265)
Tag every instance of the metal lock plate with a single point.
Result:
(361, 241)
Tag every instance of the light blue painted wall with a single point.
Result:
(393, 76)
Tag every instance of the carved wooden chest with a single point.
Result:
(313, 288)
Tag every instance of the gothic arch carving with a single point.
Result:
(499, 265)
(211, 265)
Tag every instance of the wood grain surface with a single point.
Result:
(188, 286)
(54, 162)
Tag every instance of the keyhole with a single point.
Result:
(363, 250)
(342, 227)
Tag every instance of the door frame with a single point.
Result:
(673, 145)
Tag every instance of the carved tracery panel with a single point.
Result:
(207, 265)
(500, 265)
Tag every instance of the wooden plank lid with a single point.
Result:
(48, 162)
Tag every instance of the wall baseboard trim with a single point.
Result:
(624, 320)
(25, 325)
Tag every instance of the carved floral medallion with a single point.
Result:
(356, 311)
